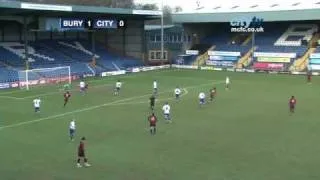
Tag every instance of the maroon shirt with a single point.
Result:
(292, 102)
(153, 120)
(81, 147)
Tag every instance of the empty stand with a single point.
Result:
(50, 53)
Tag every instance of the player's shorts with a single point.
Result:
(292, 106)
(152, 125)
(82, 89)
(151, 104)
(202, 101)
(36, 109)
(81, 154)
(167, 116)
(177, 95)
(72, 132)
(117, 89)
(66, 99)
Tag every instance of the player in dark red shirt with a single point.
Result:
(292, 104)
(152, 121)
(309, 76)
(213, 93)
(66, 96)
(81, 154)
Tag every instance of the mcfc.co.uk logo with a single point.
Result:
(246, 24)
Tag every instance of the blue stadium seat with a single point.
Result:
(53, 53)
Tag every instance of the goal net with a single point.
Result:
(42, 76)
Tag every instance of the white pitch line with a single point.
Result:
(53, 93)
(92, 108)
(50, 93)
(71, 112)
(95, 80)
(10, 97)
(157, 100)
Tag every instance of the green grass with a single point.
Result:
(247, 134)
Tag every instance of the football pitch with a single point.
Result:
(247, 133)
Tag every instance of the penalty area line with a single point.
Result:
(92, 108)
(75, 111)
(157, 100)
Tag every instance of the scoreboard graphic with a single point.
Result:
(78, 23)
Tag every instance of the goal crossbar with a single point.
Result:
(44, 76)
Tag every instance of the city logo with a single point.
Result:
(246, 24)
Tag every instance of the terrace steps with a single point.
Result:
(248, 39)
(301, 63)
(201, 59)
(246, 60)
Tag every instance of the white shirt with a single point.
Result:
(36, 103)
(118, 84)
(202, 95)
(177, 91)
(82, 84)
(72, 125)
(155, 84)
(227, 80)
(166, 109)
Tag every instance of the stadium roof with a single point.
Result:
(13, 8)
(289, 11)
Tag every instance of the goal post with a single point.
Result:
(42, 76)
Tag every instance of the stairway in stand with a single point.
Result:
(201, 59)
(245, 60)
(301, 63)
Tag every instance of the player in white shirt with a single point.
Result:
(166, 111)
(202, 97)
(227, 83)
(82, 86)
(118, 87)
(36, 105)
(155, 87)
(72, 129)
(177, 93)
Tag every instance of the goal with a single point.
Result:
(41, 76)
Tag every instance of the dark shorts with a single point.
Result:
(117, 89)
(66, 99)
(177, 95)
(71, 131)
(152, 125)
(292, 106)
(152, 104)
(81, 154)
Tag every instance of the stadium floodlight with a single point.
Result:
(42, 76)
